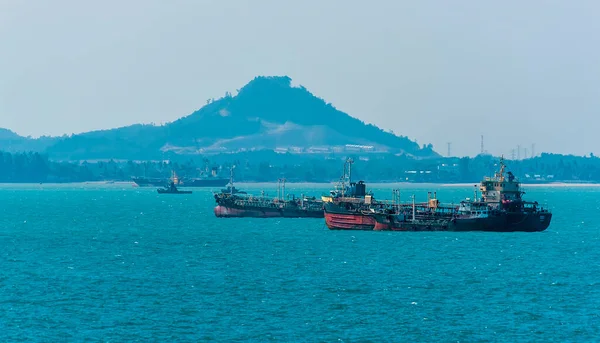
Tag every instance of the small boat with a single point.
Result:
(232, 190)
(172, 189)
(230, 187)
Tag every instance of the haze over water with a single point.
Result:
(116, 263)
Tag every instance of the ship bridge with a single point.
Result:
(500, 188)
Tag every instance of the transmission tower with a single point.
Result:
(518, 152)
(482, 144)
(533, 150)
(449, 144)
(512, 154)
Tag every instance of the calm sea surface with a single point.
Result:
(113, 263)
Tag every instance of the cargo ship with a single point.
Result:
(240, 204)
(501, 208)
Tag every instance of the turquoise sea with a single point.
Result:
(113, 263)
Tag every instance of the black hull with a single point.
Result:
(505, 222)
(510, 222)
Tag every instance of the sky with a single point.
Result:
(517, 72)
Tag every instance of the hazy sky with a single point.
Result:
(518, 72)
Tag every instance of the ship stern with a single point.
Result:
(543, 220)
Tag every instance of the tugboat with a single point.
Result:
(206, 179)
(500, 209)
(171, 188)
(230, 189)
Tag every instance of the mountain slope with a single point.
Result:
(12, 142)
(267, 113)
(268, 101)
(133, 142)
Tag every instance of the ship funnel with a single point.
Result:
(361, 189)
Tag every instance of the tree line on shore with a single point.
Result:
(32, 167)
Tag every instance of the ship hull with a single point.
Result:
(510, 222)
(258, 212)
(506, 222)
(388, 223)
(338, 218)
(349, 221)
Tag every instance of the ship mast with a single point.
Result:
(231, 179)
(283, 188)
(349, 161)
(346, 178)
(413, 207)
(500, 174)
(396, 199)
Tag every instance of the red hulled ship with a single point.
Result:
(344, 207)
